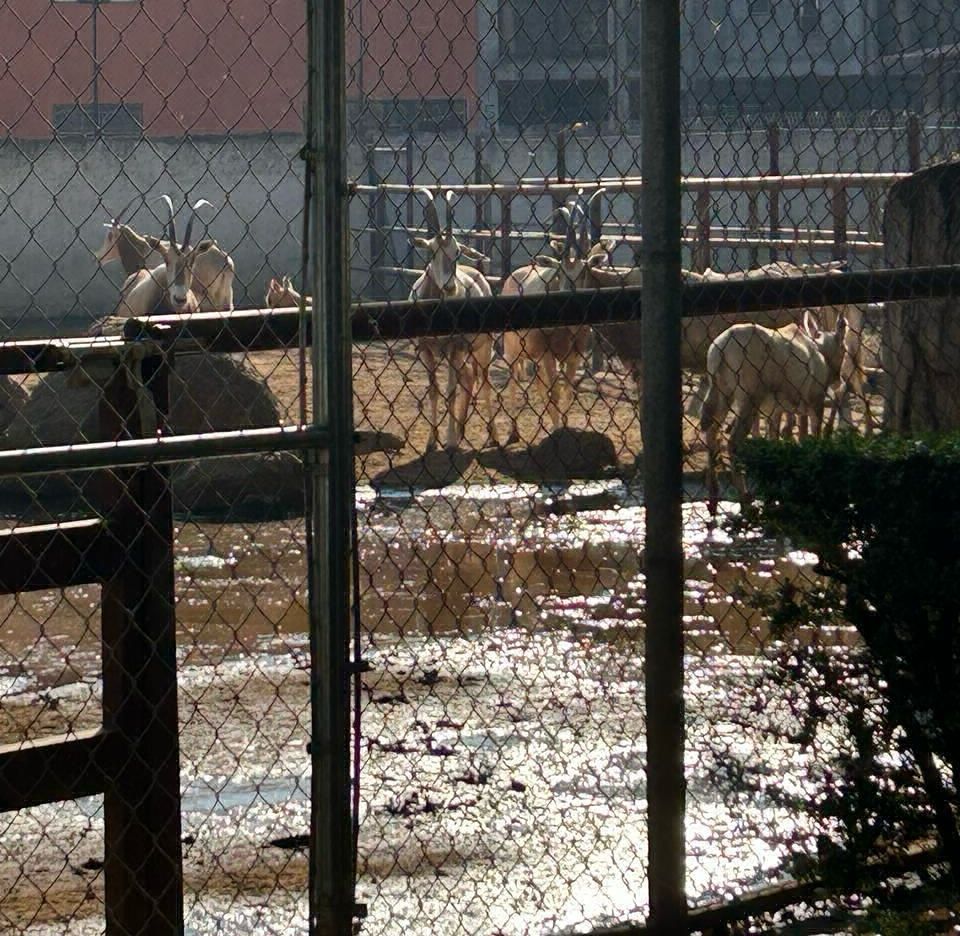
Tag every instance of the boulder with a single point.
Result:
(208, 392)
(921, 339)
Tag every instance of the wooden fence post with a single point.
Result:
(143, 875)
(702, 251)
(773, 196)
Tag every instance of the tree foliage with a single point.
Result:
(883, 516)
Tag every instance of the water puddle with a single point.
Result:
(503, 783)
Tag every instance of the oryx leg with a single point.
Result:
(570, 365)
(460, 386)
(547, 378)
(710, 414)
(484, 358)
(431, 363)
(744, 417)
(515, 362)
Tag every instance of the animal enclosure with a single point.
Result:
(369, 394)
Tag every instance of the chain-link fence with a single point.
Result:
(503, 777)
(155, 656)
(511, 610)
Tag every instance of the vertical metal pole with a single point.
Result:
(773, 196)
(838, 207)
(411, 256)
(96, 72)
(506, 244)
(662, 424)
(702, 251)
(330, 494)
(913, 142)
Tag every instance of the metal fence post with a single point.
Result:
(662, 423)
(142, 851)
(376, 221)
(409, 178)
(481, 202)
(506, 244)
(913, 142)
(330, 494)
(773, 196)
(702, 251)
(838, 208)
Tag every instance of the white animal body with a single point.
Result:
(213, 268)
(557, 351)
(752, 370)
(468, 356)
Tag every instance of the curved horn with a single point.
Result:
(569, 235)
(584, 239)
(117, 217)
(448, 202)
(186, 234)
(171, 224)
(430, 211)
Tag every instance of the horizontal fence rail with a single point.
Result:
(615, 184)
(163, 450)
(373, 321)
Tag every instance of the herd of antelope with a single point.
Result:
(786, 365)
(789, 366)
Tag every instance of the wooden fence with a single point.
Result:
(701, 233)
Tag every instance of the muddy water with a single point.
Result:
(502, 749)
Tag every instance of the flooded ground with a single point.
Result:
(502, 739)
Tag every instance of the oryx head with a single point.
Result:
(831, 344)
(442, 247)
(121, 242)
(179, 257)
(281, 294)
(575, 251)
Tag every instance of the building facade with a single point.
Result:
(168, 68)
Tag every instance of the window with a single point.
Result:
(86, 119)
(554, 101)
(808, 15)
(564, 29)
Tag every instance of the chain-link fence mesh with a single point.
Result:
(493, 148)
(107, 108)
(502, 777)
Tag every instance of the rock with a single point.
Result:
(574, 453)
(921, 340)
(208, 392)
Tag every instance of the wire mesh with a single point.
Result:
(107, 108)
(510, 569)
(493, 148)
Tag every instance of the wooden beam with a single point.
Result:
(55, 555)
(62, 767)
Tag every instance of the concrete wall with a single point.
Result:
(54, 199)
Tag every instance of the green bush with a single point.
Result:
(883, 517)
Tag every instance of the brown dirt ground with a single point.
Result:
(390, 386)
